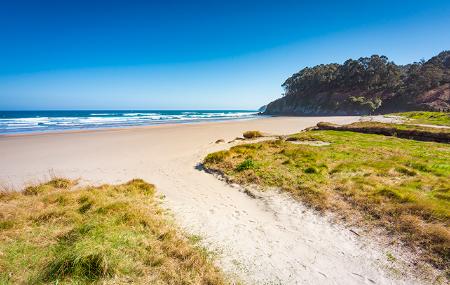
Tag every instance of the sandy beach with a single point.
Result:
(272, 239)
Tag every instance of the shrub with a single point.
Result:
(311, 170)
(252, 134)
(61, 183)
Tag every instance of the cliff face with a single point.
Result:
(339, 103)
(366, 86)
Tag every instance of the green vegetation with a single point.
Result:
(252, 134)
(55, 234)
(366, 73)
(367, 85)
(246, 164)
(399, 184)
(421, 133)
(391, 257)
(429, 118)
(216, 156)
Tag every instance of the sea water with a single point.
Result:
(44, 121)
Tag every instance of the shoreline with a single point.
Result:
(81, 130)
(22, 122)
(161, 124)
(31, 156)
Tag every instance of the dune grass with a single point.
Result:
(430, 118)
(399, 184)
(54, 234)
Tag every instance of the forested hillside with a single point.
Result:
(367, 85)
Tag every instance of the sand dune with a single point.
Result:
(271, 239)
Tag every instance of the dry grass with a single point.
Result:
(54, 234)
(401, 185)
(252, 134)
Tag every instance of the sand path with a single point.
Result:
(268, 240)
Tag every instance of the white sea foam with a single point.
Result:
(111, 119)
(103, 114)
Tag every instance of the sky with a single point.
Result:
(58, 55)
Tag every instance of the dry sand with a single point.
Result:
(272, 240)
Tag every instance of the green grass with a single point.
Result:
(421, 133)
(54, 234)
(246, 164)
(402, 185)
(430, 118)
(394, 127)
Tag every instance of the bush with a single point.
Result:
(252, 134)
(311, 170)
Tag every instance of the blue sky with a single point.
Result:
(196, 55)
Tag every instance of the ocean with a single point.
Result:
(12, 122)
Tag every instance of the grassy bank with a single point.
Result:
(420, 133)
(430, 118)
(54, 234)
(402, 185)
